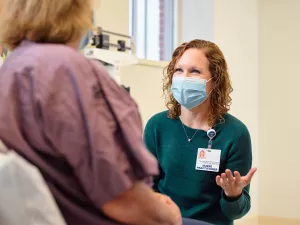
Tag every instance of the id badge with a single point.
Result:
(208, 159)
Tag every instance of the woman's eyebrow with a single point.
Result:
(191, 67)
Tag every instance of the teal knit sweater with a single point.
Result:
(195, 191)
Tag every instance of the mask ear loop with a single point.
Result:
(210, 90)
(207, 95)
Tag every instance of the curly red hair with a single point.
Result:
(220, 99)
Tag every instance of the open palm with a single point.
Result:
(233, 184)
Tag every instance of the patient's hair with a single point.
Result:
(220, 99)
(45, 21)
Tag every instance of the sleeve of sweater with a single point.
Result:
(151, 144)
(239, 159)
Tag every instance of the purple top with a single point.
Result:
(64, 114)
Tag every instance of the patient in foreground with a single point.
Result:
(66, 116)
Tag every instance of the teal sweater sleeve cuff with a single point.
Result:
(237, 208)
(231, 199)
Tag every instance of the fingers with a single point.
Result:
(250, 175)
(233, 183)
(245, 180)
(224, 179)
(229, 176)
(237, 177)
(218, 180)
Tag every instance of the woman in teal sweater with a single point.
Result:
(204, 153)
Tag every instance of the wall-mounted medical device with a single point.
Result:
(102, 39)
(111, 50)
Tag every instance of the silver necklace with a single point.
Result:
(189, 139)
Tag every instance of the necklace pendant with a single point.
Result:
(189, 140)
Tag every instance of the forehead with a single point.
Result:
(193, 58)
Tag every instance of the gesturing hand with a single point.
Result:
(234, 185)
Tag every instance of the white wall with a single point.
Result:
(279, 108)
(113, 15)
(195, 20)
(145, 81)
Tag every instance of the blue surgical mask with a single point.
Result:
(189, 91)
(85, 40)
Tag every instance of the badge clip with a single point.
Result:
(211, 133)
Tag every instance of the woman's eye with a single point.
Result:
(195, 71)
(178, 70)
